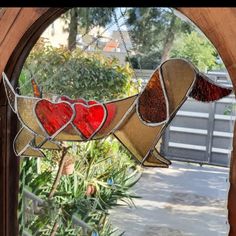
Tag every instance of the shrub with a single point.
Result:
(76, 74)
(196, 48)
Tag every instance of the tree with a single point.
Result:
(72, 29)
(81, 20)
(78, 74)
(153, 31)
(196, 48)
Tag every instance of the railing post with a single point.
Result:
(210, 130)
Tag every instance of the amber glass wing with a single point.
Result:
(152, 105)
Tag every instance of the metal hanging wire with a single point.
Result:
(131, 40)
(124, 43)
(126, 49)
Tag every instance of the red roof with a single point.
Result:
(110, 46)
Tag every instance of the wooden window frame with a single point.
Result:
(20, 29)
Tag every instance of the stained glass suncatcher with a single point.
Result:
(137, 121)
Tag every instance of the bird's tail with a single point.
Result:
(10, 92)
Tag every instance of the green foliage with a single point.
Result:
(196, 48)
(104, 165)
(76, 74)
(93, 16)
(152, 30)
(89, 17)
(155, 31)
(147, 61)
(83, 20)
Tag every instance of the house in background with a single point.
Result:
(112, 46)
(108, 43)
(55, 34)
(116, 48)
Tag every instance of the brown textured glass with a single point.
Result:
(152, 103)
(205, 90)
(11, 96)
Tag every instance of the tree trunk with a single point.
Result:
(169, 41)
(59, 172)
(72, 29)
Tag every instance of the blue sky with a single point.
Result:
(121, 21)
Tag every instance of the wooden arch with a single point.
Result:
(19, 30)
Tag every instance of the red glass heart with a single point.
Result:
(89, 119)
(72, 101)
(53, 116)
(92, 102)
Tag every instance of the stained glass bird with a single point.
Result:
(138, 122)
